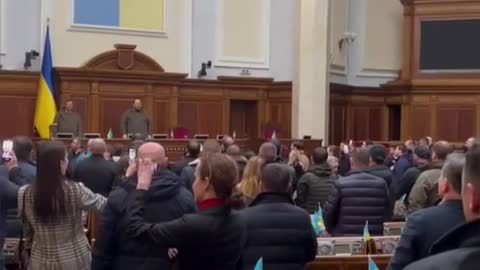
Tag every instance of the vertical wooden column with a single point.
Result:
(94, 108)
(173, 106)
(148, 106)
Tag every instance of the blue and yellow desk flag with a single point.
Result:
(371, 264)
(259, 265)
(366, 233)
(317, 221)
(45, 108)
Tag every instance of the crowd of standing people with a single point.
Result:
(224, 208)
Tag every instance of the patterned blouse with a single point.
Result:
(60, 244)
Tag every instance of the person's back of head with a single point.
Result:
(193, 148)
(49, 199)
(421, 154)
(319, 156)
(450, 182)
(276, 178)
(249, 154)
(378, 153)
(440, 150)
(211, 147)
(98, 147)
(360, 159)
(334, 151)
(333, 164)
(216, 177)
(22, 147)
(471, 185)
(234, 150)
(227, 141)
(250, 183)
(268, 152)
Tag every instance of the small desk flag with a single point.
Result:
(259, 265)
(366, 233)
(371, 264)
(110, 134)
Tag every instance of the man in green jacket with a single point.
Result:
(135, 121)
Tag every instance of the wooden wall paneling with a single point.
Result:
(210, 118)
(187, 115)
(173, 113)
(467, 118)
(455, 123)
(160, 117)
(419, 121)
(281, 115)
(111, 112)
(338, 121)
(375, 123)
(360, 122)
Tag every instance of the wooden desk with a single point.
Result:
(175, 149)
(353, 262)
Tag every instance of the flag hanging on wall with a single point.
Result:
(45, 108)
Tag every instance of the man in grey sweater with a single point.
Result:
(135, 121)
(68, 121)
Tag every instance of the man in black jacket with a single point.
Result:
(167, 200)
(193, 151)
(426, 226)
(356, 199)
(188, 173)
(314, 186)
(235, 153)
(96, 173)
(378, 153)
(460, 248)
(277, 230)
(402, 186)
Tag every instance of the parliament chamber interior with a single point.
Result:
(253, 134)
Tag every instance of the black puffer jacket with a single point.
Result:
(279, 232)
(166, 200)
(355, 199)
(314, 187)
(381, 171)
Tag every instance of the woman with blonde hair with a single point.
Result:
(249, 186)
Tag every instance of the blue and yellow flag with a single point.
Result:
(371, 264)
(317, 221)
(45, 108)
(259, 265)
(366, 233)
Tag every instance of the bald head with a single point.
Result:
(98, 146)
(153, 151)
(227, 141)
(268, 152)
(89, 144)
(441, 149)
(234, 150)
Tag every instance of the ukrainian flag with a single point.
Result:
(366, 233)
(259, 265)
(371, 264)
(45, 108)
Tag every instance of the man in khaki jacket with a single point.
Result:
(425, 191)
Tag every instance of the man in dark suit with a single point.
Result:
(277, 230)
(460, 248)
(95, 172)
(193, 151)
(426, 226)
(167, 200)
(378, 153)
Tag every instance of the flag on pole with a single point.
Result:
(259, 265)
(110, 134)
(371, 264)
(317, 221)
(366, 233)
(274, 135)
(45, 109)
(369, 245)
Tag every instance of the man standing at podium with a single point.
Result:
(135, 121)
(68, 121)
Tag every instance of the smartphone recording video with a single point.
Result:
(7, 150)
